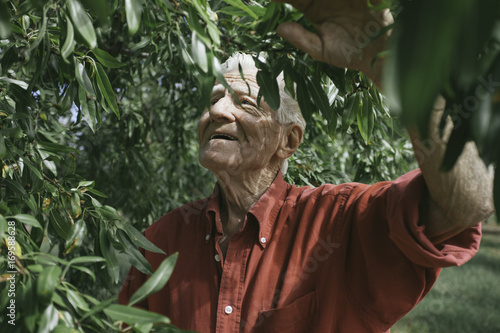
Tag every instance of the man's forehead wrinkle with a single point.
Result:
(233, 78)
(239, 87)
(242, 88)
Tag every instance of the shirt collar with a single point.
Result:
(212, 212)
(265, 210)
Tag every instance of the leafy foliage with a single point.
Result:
(98, 109)
(457, 57)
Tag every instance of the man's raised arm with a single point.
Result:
(457, 199)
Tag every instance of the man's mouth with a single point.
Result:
(222, 137)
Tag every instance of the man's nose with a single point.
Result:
(222, 110)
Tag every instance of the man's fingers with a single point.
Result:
(302, 39)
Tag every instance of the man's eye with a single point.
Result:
(214, 101)
(245, 102)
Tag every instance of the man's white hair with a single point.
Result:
(289, 110)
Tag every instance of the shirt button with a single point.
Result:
(228, 309)
(207, 237)
(263, 240)
(217, 257)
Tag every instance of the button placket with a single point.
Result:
(232, 284)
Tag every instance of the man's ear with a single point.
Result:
(291, 141)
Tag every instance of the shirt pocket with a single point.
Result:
(296, 317)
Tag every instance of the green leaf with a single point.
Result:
(195, 25)
(156, 281)
(21, 96)
(109, 213)
(15, 186)
(108, 252)
(382, 5)
(56, 148)
(133, 11)
(240, 5)
(86, 260)
(69, 43)
(106, 89)
(83, 79)
(96, 192)
(100, 8)
(366, 120)
(304, 100)
(31, 203)
(455, 146)
(9, 58)
(206, 83)
(4, 20)
(59, 223)
(14, 133)
(19, 83)
(480, 121)
(134, 316)
(106, 59)
(26, 219)
(82, 22)
(77, 301)
(3, 225)
(75, 236)
(88, 112)
(476, 27)
(48, 320)
(46, 283)
(318, 95)
(202, 8)
(270, 18)
(352, 105)
(35, 171)
(269, 89)
(3, 148)
(331, 119)
(35, 268)
(97, 308)
(85, 270)
(139, 240)
(135, 256)
(41, 32)
(414, 78)
(199, 52)
(86, 183)
(144, 328)
(63, 329)
(163, 5)
(232, 11)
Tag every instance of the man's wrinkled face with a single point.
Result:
(234, 134)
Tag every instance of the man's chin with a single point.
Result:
(215, 164)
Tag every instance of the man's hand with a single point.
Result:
(343, 28)
(457, 199)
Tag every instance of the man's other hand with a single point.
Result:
(343, 28)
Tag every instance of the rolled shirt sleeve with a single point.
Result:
(410, 236)
(390, 263)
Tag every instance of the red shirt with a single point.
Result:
(346, 258)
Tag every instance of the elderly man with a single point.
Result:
(260, 255)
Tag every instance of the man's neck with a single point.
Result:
(239, 194)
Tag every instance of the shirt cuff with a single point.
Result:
(404, 197)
